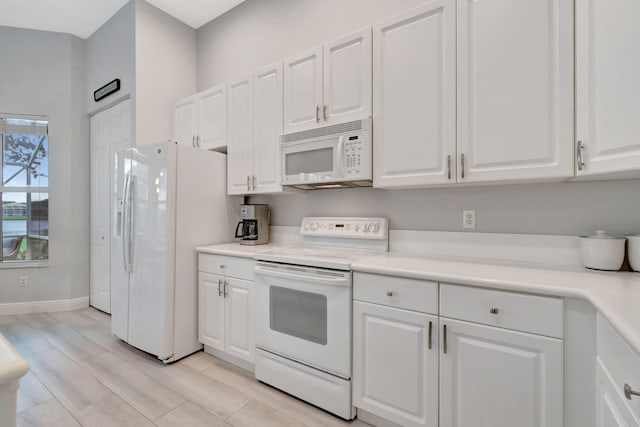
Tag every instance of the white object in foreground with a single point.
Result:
(12, 368)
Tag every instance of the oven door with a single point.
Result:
(304, 314)
(313, 161)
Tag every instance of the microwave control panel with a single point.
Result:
(354, 156)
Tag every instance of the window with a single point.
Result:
(25, 188)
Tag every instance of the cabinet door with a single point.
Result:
(185, 121)
(239, 153)
(491, 377)
(608, 88)
(414, 97)
(347, 78)
(212, 118)
(303, 90)
(611, 410)
(515, 89)
(239, 318)
(211, 310)
(267, 128)
(395, 373)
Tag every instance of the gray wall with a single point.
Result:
(165, 68)
(110, 55)
(43, 73)
(260, 32)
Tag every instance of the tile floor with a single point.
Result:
(82, 375)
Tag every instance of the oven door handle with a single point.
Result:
(304, 275)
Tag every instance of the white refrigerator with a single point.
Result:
(169, 199)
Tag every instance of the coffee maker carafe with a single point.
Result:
(253, 228)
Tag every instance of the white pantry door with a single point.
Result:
(110, 132)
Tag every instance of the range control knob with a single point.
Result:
(376, 227)
(307, 226)
(357, 227)
(314, 226)
(365, 227)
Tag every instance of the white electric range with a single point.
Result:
(303, 309)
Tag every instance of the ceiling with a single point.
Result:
(83, 17)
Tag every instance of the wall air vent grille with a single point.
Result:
(323, 131)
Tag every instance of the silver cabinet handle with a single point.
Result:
(449, 166)
(248, 183)
(444, 339)
(494, 311)
(198, 141)
(222, 266)
(389, 293)
(193, 141)
(430, 334)
(629, 392)
(225, 288)
(317, 114)
(579, 152)
(253, 181)
(324, 112)
(219, 287)
(462, 165)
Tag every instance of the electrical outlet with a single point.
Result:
(24, 281)
(468, 219)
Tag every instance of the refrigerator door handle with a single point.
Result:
(124, 226)
(130, 239)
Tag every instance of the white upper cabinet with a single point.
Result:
(414, 94)
(328, 84)
(515, 89)
(347, 78)
(473, 91)
(303, 90)
(185, 121)
(255, 126)
(201, 119)
(212, 117)
(267, 128)
(608, 87)
(239, 155)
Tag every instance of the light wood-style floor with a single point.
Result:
(82, 375)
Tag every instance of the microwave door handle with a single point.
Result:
(340, 159)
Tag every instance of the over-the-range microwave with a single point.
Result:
(328, 157)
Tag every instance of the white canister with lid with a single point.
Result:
(602, 252)
(634, 252)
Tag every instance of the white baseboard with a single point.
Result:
(44, 306)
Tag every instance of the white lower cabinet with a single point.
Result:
(611, 410)
(225, 308)
(422, 356)
(395, 373)
(492, 377)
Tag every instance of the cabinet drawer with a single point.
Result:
(242, 268)
(510, 310)
(410, 294)
(621, 362)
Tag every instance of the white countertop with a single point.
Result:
(238, 250)
(616, 295)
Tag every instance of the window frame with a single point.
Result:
(27, 190)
